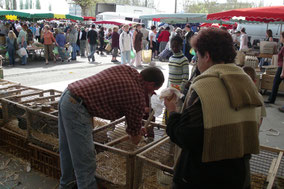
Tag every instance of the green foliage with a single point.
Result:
(207, 6)
(38, 4)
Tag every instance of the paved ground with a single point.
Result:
(59, 75)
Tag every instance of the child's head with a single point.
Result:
(126, 28)
(251, 72)
(115, 29)
(176, 44)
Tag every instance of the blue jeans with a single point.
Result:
(11, 52)
(61, 51)
(24, 58)
(74, 51)
(92, 52)
(276, 82)
(125, 57)
(76, 148)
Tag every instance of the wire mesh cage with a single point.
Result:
(116, 153)
(154, 167)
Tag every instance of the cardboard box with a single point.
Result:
(268, 47)
(267, 83)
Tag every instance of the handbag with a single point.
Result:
(108, 47)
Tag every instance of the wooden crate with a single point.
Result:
(5, 83)
(45, 161)
(267, 83)
(14, 143)
(116, 154)
(154, 166)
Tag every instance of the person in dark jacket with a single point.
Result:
(214, 138)
(102, 40)
(83, 39)
(187, 45)
(92, 39)
(115, 44)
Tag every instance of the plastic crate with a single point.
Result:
(45, 161)
(116, 154)
(14, 144)
(154, 167)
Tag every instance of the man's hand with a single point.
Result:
(147, 110)
(135, 139)
(170, 103)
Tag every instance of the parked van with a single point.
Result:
(117, 15)
(258, 31)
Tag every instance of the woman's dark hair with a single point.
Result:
(269, 33)
(178, 39)
(153, 74)
(187, 26)
(153, 27)
(243, 30)
(168, 28)
(102, 29)
(218, 43)
(282, 34)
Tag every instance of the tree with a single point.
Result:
(85, 4)
(37, 4)
(27, 4)
(21, 5)
(49, 7)
(14, 4)
(31, 4)
(207, 6)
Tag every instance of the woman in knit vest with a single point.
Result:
(217, 130)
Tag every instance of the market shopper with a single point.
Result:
(22, 41)
(153, 41)
(125, 45)
(114, 44)
(83, 42)
(73, 41)
(279, 76)
(61, 41)
(92, 39)
(111, 94)
(102, 40)
(164, 38)
(187, 45)
(145, 39)
(137, 44)
(11, 43)
(49, 41)
(218, 127)
(244, 40)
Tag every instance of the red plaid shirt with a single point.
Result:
(114, 93)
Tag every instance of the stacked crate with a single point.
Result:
(116, 153)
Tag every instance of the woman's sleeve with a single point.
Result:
(186, 129)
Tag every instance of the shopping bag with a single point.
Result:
(132, 54)
(146, 56)
(22, 52)
(108, 48)
(7, 55)
(55, 50)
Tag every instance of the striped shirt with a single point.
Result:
(178, 70)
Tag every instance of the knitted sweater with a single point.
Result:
(231, 115)
(178, 70)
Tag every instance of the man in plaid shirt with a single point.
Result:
(111, 94)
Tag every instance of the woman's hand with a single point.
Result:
(282, 75)
(170, 103)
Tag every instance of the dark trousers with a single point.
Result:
(11, 53)
(276, 83)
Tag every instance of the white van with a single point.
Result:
(258, 31)
(117, 15)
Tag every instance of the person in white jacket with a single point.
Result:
(125, 45)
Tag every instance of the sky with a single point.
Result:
(61, 6)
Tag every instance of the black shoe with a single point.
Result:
(112, 60)
(89, 59)
(281, 109)
(268, 102)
